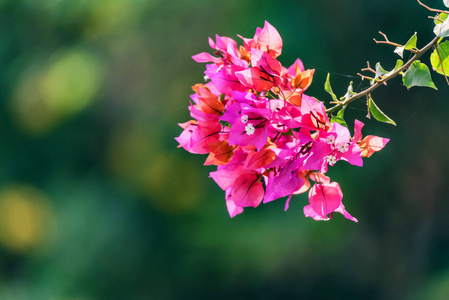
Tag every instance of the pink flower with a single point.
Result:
(345, 149)
(326, 198)
(267, 138)
(251, 127)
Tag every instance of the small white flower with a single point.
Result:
(330, 140)
(206, 78)
(250, 129)
(331, 159)
(244, 118)
(342, 147)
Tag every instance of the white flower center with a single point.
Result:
(330, 140)
(244, 118)
(250, 129)
(331, 159)
(342, 147)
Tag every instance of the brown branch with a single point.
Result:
(391, 75)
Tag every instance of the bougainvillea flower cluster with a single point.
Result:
(268, 139)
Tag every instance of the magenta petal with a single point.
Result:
(255, 79)
(206, 57)
(358, 130)
(343, 135)
(225, 178)
(342, 210)
(205, 136)
(283, 185)
(287, 203)
(225, 80)
(223, 42)
(292, 68)
(353, 155)
(325, 198)
(309, 212)
(317, 158)
(270, 40)
(247, 190)
(231, 113)
(232, 52)
(239, 135)
(233, 209)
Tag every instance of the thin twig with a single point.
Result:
(386, 41)
(365, 77)
(433, 9)
(436, 19)
(368, 68)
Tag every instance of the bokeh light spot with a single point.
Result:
(24, 217)
(49, 94)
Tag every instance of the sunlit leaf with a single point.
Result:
(411, 44)
(399, 63)
(418, 75)
(377, 113)
(328, 88)
(440, 60)
(442, 17)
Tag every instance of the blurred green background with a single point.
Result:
(97, 203)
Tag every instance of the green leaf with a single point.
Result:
(222, 97)
(377, 113)
(328, 88)
(418, 75)
(339, 120)
(440, 59)
(442, 17)
(341, 112)
(411, 44)
(399, 63)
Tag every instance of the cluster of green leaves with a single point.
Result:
(414, 72)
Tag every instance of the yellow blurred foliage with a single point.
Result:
(46, 95)
(24, 217)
